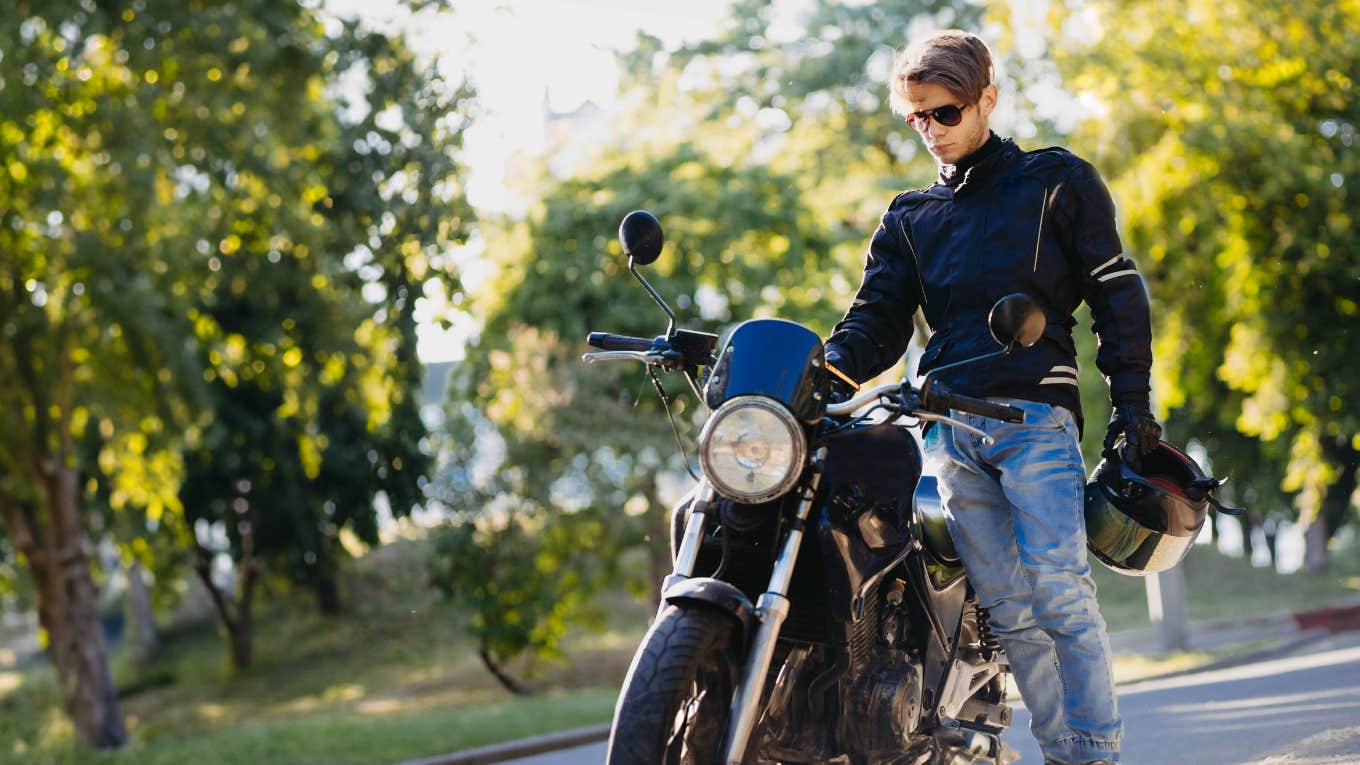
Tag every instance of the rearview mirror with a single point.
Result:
(1016, 319)
(641, 237)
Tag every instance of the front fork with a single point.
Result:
(771, 610)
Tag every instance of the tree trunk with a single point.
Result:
(503, 677)
(326, 578)
(145, 641)
(327, 595)
(68, 607)
(1248, 521)
(242, 638)
(238, 626)
(1315, 546)
(1271, 530)
(1334, 507)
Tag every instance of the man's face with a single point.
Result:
(948, 144)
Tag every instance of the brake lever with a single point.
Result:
(932, 417)
(591, 358)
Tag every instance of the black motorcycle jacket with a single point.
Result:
(1039, 222)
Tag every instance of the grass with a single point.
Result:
(1219, 587)
(396, 679)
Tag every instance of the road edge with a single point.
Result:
(514, 750)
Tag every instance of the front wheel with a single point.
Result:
(675, 702)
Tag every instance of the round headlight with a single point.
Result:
(752, 449)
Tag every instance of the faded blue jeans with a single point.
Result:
(1014, 509)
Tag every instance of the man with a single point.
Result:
(998, 221)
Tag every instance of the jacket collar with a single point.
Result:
(976, 168)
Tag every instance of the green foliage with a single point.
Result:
(216, 221)
(1230, 131)
(817, 99)
(316, 394)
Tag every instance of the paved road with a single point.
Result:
(1302, 708)
(1246, 714)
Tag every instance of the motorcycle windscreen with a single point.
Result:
(774, 358)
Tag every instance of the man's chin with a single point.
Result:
(945, 156)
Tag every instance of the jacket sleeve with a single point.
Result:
(875, 331)
(1110, 284)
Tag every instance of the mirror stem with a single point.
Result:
(670, 328)
(931, 374)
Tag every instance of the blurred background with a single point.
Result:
(298, 462)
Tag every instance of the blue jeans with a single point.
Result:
(1014, 509)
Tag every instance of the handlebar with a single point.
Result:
(934, 406)
(677, 350)
(937, 398)
(606, 341)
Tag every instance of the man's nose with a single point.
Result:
(936, 130)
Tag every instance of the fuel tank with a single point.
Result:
(865, 523)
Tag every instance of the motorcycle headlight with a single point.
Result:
(752, 449)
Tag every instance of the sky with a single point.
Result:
(518, 52)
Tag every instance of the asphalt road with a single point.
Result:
(1297, 708)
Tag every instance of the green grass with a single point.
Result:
(395, 677)
(1219, 587)
(362, 735)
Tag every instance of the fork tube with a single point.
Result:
(688, 555)
(772, 608)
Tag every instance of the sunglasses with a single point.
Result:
(948, 115)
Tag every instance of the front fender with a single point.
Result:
(715, 593)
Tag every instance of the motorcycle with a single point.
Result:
(817, 611)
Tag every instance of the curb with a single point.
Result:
(1208, 634)
(1340, 618)
(513, 750)
(1287, 645)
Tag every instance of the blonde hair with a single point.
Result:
(960, 61)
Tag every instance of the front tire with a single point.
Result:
(675, 702)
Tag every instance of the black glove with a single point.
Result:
(1134, 421)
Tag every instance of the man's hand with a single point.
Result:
(1134, 421)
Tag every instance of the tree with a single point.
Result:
(313, 374)
(1229, 131)
(164, 200)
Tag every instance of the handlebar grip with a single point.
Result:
(1003, 412)
(939, 398)
(609, 342)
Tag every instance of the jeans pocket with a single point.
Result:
(1063, 418)
(1051, 417)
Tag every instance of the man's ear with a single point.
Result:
(988, 100)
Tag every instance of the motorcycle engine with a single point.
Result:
(886, 707)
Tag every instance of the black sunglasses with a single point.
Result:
(948, 115)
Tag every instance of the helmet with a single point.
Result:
(1143, 521)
